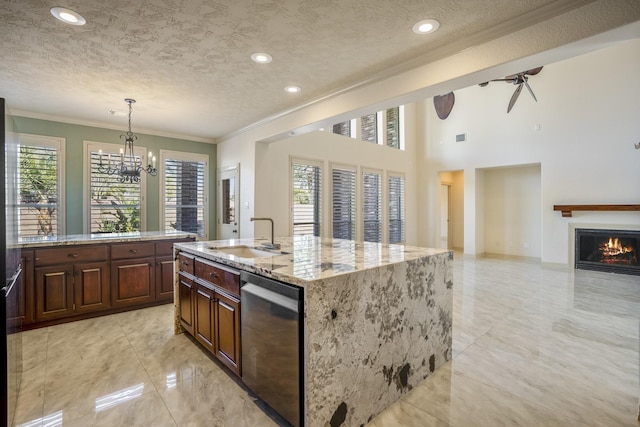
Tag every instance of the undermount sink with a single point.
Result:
(245, 251)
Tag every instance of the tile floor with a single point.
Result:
(533, 346)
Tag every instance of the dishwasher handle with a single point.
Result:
(270, 296)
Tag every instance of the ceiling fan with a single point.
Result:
(519, 79)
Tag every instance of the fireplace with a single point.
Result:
(616, 251)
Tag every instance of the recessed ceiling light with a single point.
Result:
(68, 16)
(292, 89)
(261, 58)
(426, 26)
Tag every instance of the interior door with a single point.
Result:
(228, 202)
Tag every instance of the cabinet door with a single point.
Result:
(19, 311)
(164, 278)
(227, 331)
(132, 281)
(91, 286)
(205, 317)
(186, 297)
(54, 292)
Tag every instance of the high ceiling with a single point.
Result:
(187, 62)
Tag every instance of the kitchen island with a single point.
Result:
(377, 317)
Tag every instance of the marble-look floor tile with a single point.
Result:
(532, 346)
(213, 400)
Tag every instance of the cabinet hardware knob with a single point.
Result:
(133, 251)
(73, 255)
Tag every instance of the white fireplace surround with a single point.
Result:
(572, 235)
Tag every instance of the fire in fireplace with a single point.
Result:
(608, 250)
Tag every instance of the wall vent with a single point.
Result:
(461, 137)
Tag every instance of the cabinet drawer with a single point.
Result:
(132, 250)
(186, 263)
(164, 248)
(220, 276)
(71, 254)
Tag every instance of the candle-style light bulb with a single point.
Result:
(100, 156)
(153, 159)
(122, 154)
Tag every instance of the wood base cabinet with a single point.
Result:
(208, 311)
(132, 281)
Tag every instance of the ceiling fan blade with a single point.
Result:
(514, 97)
(533, 71)
(530, 91)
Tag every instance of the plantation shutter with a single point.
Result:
(184, 196)
(114, 206)
(343, 128)
(38, 191)
(343, 197)
(393, 127)
(396, 209)
(369, 128)
(372, 206)
(307, 199)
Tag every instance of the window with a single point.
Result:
(343, 128)
(306, 209)
(183, 192)
(114, 206)
(369, 128)
(396, 209)
(372, 206)
(40, 173)
(343, 202)
(394, 126)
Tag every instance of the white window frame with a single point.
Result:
(187, 157)
(323, 191)
(59, 144)
(88, 147)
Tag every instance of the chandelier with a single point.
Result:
(126, 166)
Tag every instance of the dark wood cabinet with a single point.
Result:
(91, 286)
(205, 317)
(54, 292)
(186, 302)
(208, 310)
(21, 304)
(164, 278)
(227, 333)
(132, 281)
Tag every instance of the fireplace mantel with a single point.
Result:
(568, 209)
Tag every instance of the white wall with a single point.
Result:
(587, 114)
(512, 211)
(323, 146)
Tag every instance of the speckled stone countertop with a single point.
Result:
(305, 259)
(84, 239)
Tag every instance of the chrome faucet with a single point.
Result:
(267, 245)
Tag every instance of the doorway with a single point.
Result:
(445, 210)
(228, 198)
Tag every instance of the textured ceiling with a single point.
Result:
(187, 64)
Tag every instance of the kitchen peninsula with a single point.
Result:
(73, 277)
(377, 318)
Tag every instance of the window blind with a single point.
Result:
(114, 206)
(343, 202)
(184, 196)
(396, 209)
(307, 199)
(369, 128)
(372, 206)
(38, 191)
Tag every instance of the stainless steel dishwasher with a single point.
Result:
(271, 325)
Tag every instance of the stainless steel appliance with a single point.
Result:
(11, 342)
(271, 325)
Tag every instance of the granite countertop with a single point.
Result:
(84, 239)
(305, 259)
